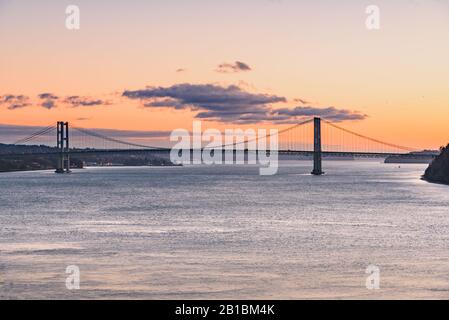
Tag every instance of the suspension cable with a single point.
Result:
(258, 138)
(100, 136)
(35, 135)
(368, 138)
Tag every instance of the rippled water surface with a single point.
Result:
(225, 232)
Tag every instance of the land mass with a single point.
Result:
(425, 156)
(438, 170)
(25, 161)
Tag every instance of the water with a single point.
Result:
(225, 232)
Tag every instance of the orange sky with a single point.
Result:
(318, 52)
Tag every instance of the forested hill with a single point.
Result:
(11, 148)
(24, 158)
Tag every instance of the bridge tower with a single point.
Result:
(62, 136)
(317, 168)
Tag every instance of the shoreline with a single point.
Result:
(26, 170)
(53, 169)
(434, 181)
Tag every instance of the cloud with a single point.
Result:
(233, 104)
(165, 103)
(302, 101)
(48, 96)
(15, 132)
(74, 101)
(212, 101)
(48, 104)
(235, 67)
(49, 100)
(180, 70)
(15, 101)
(330, 113)
(77, 101)
(11, 133)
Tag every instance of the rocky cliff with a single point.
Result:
(438, 170)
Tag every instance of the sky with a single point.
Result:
(159, 65)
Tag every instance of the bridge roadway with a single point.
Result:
(75, 152)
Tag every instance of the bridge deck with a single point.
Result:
(166, 151)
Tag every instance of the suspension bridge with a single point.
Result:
(315, 137)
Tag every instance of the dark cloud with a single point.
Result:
(48, 104)
(165, 103)
(77, 101)
(330, 113)
(48, 96)
(74, 101)
(49, 100)
(180, 70)
(15, 101)
(233, 104)
(212, 101)
(237, 66)
(10, 133)
(302, 101)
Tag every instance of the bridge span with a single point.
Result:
(302, 139)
